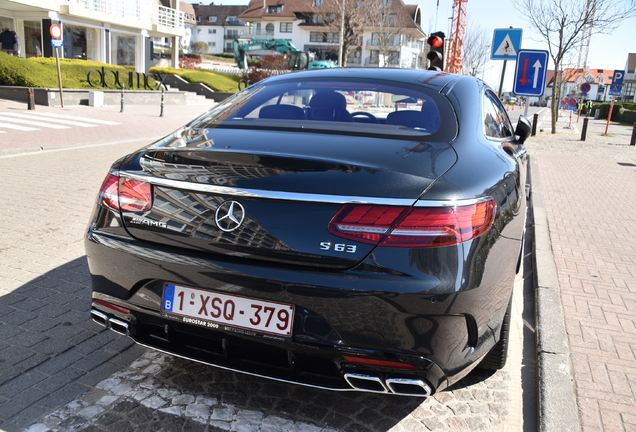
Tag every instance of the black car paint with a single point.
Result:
(438, 308)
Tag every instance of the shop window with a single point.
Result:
(123, 49)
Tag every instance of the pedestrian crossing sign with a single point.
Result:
(506, 43)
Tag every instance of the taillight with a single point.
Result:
(413, 226)
(112, 306)
(126, 195)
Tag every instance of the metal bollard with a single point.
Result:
(633, 141)
(30, 99)
(535, 120)
(584, 130)
(122, 99)
(161, 113)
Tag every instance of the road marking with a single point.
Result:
(68, 117)
(16, 127)
(51, 120)
(40, 124)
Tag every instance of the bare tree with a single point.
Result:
(387, 26)
(476, 49)
(563, 23)
(327, 15)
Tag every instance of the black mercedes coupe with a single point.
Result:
(346, 229)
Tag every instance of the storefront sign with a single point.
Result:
(112, 79)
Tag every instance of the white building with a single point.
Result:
(118, 32)
(302, 22)
(218, 26)
(628, 92)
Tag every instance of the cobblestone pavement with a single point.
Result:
(59, 371)
(590, 198)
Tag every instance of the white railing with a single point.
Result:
(168, 17)
(135, 9)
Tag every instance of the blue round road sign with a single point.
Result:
(586, 87)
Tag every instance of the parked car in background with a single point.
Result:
(347, 229)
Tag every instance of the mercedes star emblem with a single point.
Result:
(229, 216)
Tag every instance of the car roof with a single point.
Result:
(434, 80)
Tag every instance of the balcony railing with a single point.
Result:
(136, 9)
(141, 10)
(171, 18)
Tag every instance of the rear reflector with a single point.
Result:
(413, 226)
(112, 306)
(126, 195)
(373, 362)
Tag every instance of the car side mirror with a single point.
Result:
(523, 129)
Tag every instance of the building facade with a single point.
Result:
(304, 23)
(218, 26)
(628, 92)
(599, 80)
(121, 32)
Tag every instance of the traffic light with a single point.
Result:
(435, 55)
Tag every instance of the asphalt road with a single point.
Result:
(60, 371)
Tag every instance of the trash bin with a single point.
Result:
(597, 113)
(95, 98)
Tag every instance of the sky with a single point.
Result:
(606, 51)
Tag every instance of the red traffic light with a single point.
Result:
(435, 41)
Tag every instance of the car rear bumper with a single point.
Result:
(411, 321)
(313, 365)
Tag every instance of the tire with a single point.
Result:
(496, 358)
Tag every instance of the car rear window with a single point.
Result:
(374, 108)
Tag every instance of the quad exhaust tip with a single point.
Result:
(116, 325)
(398, 386)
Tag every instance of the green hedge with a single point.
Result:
(42, 72)
(216, 81)
(16, 71)
(623, 112)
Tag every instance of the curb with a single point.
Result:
(557, 406)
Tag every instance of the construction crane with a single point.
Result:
(457, 34)
(586, 37)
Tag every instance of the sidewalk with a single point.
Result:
(586, 258)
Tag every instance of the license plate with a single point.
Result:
(211, 309)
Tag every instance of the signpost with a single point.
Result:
(572, 103)
(617, 83)
(586, 87)
(530, 73)
(505, 45)
(56, 41)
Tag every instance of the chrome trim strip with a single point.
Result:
(294, 196)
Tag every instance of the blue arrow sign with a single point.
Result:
(506, 43)
(617, 83)
(530, 72)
